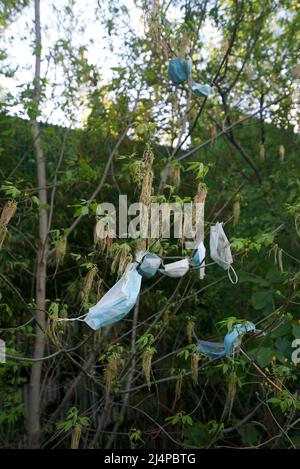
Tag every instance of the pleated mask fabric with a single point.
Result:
(176, 269)
(231, 343)
(199, 259)
(179, 70)
(219, 245)
(118, 301)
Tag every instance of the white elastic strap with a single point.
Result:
(80, 318)
(235, 279)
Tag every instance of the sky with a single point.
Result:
(86, 30)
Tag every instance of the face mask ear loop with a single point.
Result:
(80, 318)
(234, 280)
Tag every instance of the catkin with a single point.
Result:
(296, 71)
(148, 178)
(146, 364)
(190, 330)
(102, 237)
(231, 393)
(145, 195)
(152, 15)
(195, 357)
(3, 232)
(281, 153)
(178, 389)
(100, 289)
(236, 212)
(111, 372)
(88, 282)
(280, 263)
(213, 135)
(8, 212)
(201, 193)
(52, 326)
(76, 434)
(175, 176)
(262, 152)
(121, 259)
(61, 249)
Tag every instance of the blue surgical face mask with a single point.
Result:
(179, 70)
(201, 90)
(231, 343)
(199, 259)
(118, 301)
(148, 263)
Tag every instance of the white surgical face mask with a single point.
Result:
(176, 269)
(220, 250)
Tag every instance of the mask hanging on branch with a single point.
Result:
(201, 90)
(211, 349)
(176, 269)
(149, 263)
(233, 339)
(117, 302)
(231, 344)
(179, 70)
(199, 259)
(220, 250)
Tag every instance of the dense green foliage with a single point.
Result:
(267, 291)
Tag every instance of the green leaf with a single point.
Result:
(296, 331)
(84, 210)
(264, 356)
(262, 299)
(35, 200)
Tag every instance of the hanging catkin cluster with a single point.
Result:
(236, 211)
(152, 20)
(146, 364)
(213, 135)
(281, 153)
(231, 393)
(146, 190)
(277, 256)
(175, 175)
(199, 205)
(88, 283)
(55, 328)
(76, 434)
(111, 372)
(7, 213)
(178, 388)
(145, 195)
(100, 289)
(296, 71)
(61, 249)
(195, 357)
(190, 327)
(52, 330)
(201, 193)
(103, 233)
(122, 256)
